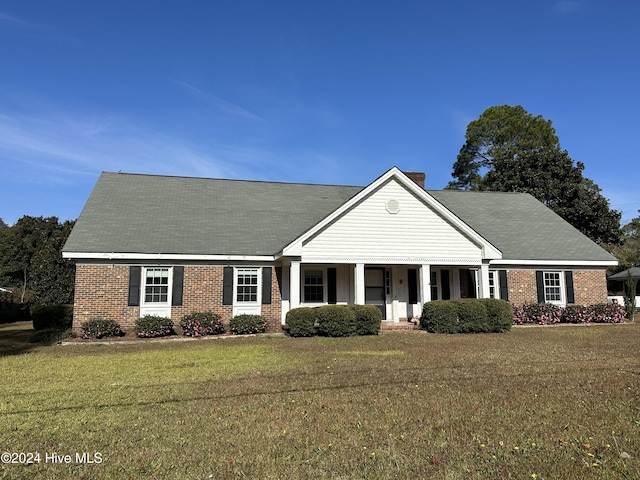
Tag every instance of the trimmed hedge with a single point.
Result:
(151, 326)
(440, 316)
(52, 316)
(499, 314)
(301, 322)
(198, 324)
(100, 328)
(482, 315)
(472, 316)
(368, 319)
(336, 321)
(246, 324)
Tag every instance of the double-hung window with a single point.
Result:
(156, 285)
(247, 285)
(553, 287)
(313, 291)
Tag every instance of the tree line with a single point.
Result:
(31, 262)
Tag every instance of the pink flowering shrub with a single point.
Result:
(546, 314)
(151, 326)
(540, 313)
(611, 313)
(199, 324)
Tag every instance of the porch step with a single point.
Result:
(398, 327)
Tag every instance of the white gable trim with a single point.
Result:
(568, 263)
(488, 250)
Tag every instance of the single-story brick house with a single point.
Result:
(147, 244)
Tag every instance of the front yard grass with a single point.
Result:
(545, 403)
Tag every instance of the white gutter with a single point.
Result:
(165, 256)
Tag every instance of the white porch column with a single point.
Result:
(294, 284)
(425, 283)
(358, 280)
(484, 280)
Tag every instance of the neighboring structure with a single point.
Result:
(168, 246)
(616, 285)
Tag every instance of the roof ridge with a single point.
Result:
(274, 182)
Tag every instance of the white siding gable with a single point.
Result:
(373, 229)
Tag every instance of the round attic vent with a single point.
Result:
(392, 206)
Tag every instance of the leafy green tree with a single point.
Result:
(3, 226)
(628, 250)
(31, 258)
(509, 150)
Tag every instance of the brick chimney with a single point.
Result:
(417, 177)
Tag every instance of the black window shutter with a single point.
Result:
(504, 288)
(135, 274)
(446, 291)
(266, 285)
(540, 285)
(332, 292)
(412, 284)
(568, 283)
(178, 283)
(227, 286)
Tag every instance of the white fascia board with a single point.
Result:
(570, 263)
(489, 251)
(165, 257)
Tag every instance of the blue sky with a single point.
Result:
(314, 91)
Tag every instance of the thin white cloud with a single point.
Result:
(220, 104)
(62, 148)
(10, 19)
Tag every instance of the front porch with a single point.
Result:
(398, 290)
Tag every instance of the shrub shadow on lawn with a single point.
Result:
(14, 338)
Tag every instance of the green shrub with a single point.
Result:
(246, 324)
(52, 316)
(499, 314)
(198, 324)
(301, 322)
(100, 328)
(440, 316)
(336, 321)
(50, 335)
(151, 326)
(472, 316)
(368, 319)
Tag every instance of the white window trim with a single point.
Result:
(258, 300)
(309, 268)
(143, 290)
(563, 298)
(494, 283)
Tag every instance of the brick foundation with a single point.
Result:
(102, 292)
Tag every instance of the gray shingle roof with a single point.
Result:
(635, 273)
(129, 213)
(149, 214)
(520, 226)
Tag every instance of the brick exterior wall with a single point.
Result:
(103, 291)
(522, 286)
(590, 286)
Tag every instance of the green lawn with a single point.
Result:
(541, 402)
